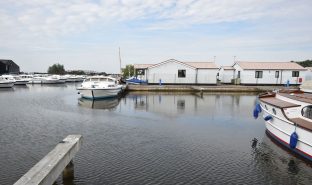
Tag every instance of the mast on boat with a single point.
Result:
(120, 62)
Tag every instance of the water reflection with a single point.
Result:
(172, 104)
(276, 161)
(109, 104)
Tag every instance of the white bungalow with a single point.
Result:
(308, 73)
(176, 72)
(268, 73)
(226, 74)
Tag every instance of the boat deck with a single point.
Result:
(278, 103)
(303, 97)
(302, 123)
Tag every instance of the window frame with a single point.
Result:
(295, 74)
(303, 113)
(258, 74)
(277, 74)
(181, 73)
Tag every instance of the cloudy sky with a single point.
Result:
(86, 34)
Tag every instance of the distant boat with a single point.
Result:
(136, 81)
(54, 79)
(99, 87)
(74, 78)
(6, 83)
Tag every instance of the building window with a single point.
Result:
(238, 74)
(258, 74)
(276, 74)
(295, 74)
(140, 72)
(181, 73)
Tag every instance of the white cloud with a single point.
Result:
(45, 25)
(58, 17)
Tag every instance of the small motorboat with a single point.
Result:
(18, 80)
(99, 87)
(136, 81)
(6, 83)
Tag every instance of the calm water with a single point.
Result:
(154, 138)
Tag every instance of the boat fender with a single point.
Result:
(258, 107)
(293, 140)
(268, 117)
(255, 113)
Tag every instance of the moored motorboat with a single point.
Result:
(135, 81)
(99, 87)
(5, 82)
(18, 80)
(288, 119)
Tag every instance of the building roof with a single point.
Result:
(271, 65)
(142, 66)
(202, 65)
(228, 67)
(197, 65)
(5, 61)
(309, 68)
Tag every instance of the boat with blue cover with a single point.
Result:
(136, 81)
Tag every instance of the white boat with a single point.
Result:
(74, 78)
(98, 87)
(288, 119)
(18, 80)
(5, 82)
(54, 79)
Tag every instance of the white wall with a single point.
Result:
(225, 76)
(268, 77)
(308, 75)
(168, 73)
(207, 76)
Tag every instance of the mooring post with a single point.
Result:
(68, 173)
(59, 160)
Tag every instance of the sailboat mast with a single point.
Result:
(120, 62)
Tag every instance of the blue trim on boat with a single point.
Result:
(296, 151)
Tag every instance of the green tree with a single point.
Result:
(56, 69)
(128, 71)
(76, 72)
(306, 63)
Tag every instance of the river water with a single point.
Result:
(144, 138)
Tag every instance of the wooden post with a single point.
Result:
(48, 169)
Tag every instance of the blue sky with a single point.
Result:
(86, 34)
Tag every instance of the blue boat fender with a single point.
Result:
(293, 140)
(255, 113)
(268, 117)
(258, 107)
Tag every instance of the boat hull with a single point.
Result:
(99, 93)
(6, 85)
(21, 82)
(281, 129)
